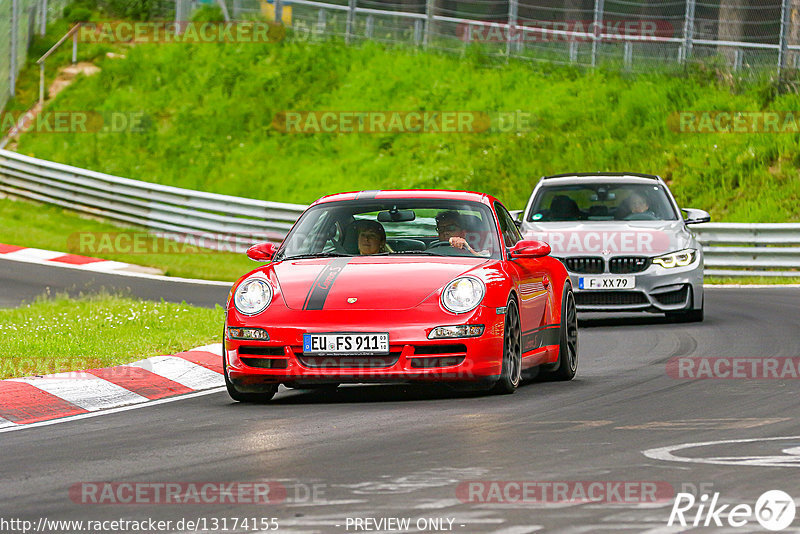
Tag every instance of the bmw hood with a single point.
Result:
(376, 283)
(629, 238)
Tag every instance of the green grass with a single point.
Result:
(51, 228)
(752, 280)
(211, 108)
(51, 335)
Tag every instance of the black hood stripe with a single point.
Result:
(315, 300)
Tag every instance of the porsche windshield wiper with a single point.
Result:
(317, 255)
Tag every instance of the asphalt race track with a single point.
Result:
(408, 452)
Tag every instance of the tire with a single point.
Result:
(567, 364)
(239, 396)
(511, 372)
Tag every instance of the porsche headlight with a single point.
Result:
(682, 258)
(252, 296)
(463, 294)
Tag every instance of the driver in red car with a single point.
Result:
(450, 226)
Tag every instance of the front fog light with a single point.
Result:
(461, 330)
(248, 333)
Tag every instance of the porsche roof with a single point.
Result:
(408, 193)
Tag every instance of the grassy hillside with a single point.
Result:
(211, 108)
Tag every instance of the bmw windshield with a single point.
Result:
(425, 227)
(602, 202)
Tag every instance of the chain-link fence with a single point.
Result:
(742, 35)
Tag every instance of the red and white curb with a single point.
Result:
(37, 255)
(30, 400)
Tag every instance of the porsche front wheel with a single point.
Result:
(567, 363)
(510, 374)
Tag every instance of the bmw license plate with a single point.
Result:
(346, 343)
(606, 282)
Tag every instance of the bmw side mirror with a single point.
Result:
(529, 249)
(694, 216)
(261, 251)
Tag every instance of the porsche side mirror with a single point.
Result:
(529, 249)
(261, 251)
(694, 216)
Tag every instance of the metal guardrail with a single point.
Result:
(213, 219)
(731, 249)
(740, 249)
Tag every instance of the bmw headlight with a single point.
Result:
(682, 258)
(463, 294)
(252, 296)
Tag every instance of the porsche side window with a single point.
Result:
(509, 230)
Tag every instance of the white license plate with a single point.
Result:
(606, 282)
(346, 343)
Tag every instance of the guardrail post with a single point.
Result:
(351, 20)
(75, 47)
(321, 22)
(417, 31)
(573, 51)
(512, 27)
(785, 24)
(596, 28)
(430, 5)
(737, 59)
(41, 83)
(628, 55)
(688, 31)
(370, 26)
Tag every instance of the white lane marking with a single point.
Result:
(215, 348)
(84, 390)
(182, 371)
(790, 460)
(112, 410)
(519, 529)
(5, 422)
(62, 265)
(33, 254)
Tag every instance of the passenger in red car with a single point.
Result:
(371, 238)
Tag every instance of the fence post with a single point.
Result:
(785, 23)
(279, 11)
(321, 22)
(596, 27)
(573, 51)
(351, 20)
(75, 47)
(12, 63)
(512, 27)
(43, 20)
(430, 5)
(417, 31)
(688, 30)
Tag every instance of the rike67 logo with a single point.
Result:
(774, 510)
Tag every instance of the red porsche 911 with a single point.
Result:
(400, 286)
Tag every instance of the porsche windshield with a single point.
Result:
(425, 227)
(602, 202)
